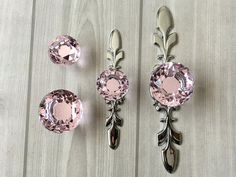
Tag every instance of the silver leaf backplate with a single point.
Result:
(168, 136)
(113, 121)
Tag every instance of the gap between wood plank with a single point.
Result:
(29, 89)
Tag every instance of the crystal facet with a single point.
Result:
(60, 111)
(171, 84)
(64, 50)
(112, 84)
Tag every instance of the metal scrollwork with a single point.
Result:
(113, 121)
(167, 137)
(165, 40)
(114, 53)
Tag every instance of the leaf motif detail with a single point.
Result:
(113, 136)
(170, 157)
(172, 39)
(112, 122)
(167, 137)
(115, 40)
(119, 56)
(162, 136)
(165, 21)
(114, 53)
(176, 136)
(109, 55)
(158, 40)
(162, 38)
(118, 121)
(108, 121)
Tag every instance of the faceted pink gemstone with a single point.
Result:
(171, 84)
(60, 111)
(64, 50)
(112, 84)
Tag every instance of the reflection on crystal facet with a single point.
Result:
(60, 111)
(171, 84)
(64, 50)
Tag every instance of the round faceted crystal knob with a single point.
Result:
(64, 50)
(171, 84)
(60, 111)
(112, 84)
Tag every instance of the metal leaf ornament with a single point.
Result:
(112, 123)
(114, 53)
(165, 40)
(113, 86)
(162, 38)
(166, 137)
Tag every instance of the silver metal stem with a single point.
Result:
(113, 121)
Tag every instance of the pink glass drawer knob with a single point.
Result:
(60, 111)
(64, 50)
(171, 84)
(112, 84)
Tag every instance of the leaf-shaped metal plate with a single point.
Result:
(162, 38)
(171, 41)
(115, 40)
(162, 136)
(113, 136)
(176, 136)
(118, 121)
(158, 40)
(114, 53)
(119, 56)
(170, 156)
(165, 21)
(109, 55)
(108, 121)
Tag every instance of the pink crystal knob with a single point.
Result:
(60, 111)
(112, 84)
(171, 84)
(64, 50)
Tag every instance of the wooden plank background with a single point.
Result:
(207, 42)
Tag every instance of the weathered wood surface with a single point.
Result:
(206, 44)
(15, 35)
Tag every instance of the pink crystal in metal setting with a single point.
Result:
(64, 50)
(171, 84)
(60, 111)
(112, 84)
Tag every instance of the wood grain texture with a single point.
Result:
(206, 43)
(15, 35)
